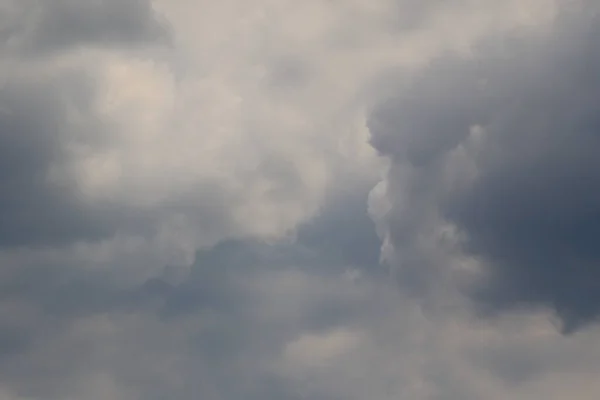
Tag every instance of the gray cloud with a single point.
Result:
(216, 320)
(113, 160)
(44, 106)
(34, 27)
(282, 320)
(522, 115)
(33, 211)
(36, 209)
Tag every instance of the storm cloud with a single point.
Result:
(190, 206)
(501, 147)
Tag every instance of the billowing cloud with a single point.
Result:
(231, 312)
(185, 207)
(184, 127)
(493, 159)
(268, 321)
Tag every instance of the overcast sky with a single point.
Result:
(285, 200)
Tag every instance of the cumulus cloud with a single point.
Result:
(238, 120)
(257, 320)
(493, 160)
(227, 316)
(183, 209)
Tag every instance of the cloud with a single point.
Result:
(156, 139)
(33, 120)
(267, 320)
(493, 159)
(284, 319)
(36, 28)
(186, 329)
(47, 98)
(211, 128)
(184, 201)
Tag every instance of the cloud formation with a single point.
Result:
(185, 207)
(498, 149)
(40, 28)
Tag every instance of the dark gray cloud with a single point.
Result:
(308, 318)
(217, 319)
(44, 27)
(343, 230)
(37, 208)
(340, 238)
(531, 212)
(33, 211)
(46, 107)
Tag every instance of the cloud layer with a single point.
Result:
(500, 149)
(192, 202)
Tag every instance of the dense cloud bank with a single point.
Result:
(501, 147)
(187, 206)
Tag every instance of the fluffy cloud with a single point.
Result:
(277, 320)
(158, 119)
(184, 203)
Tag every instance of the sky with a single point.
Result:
(299, 200)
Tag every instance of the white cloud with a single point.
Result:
(256, 106)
